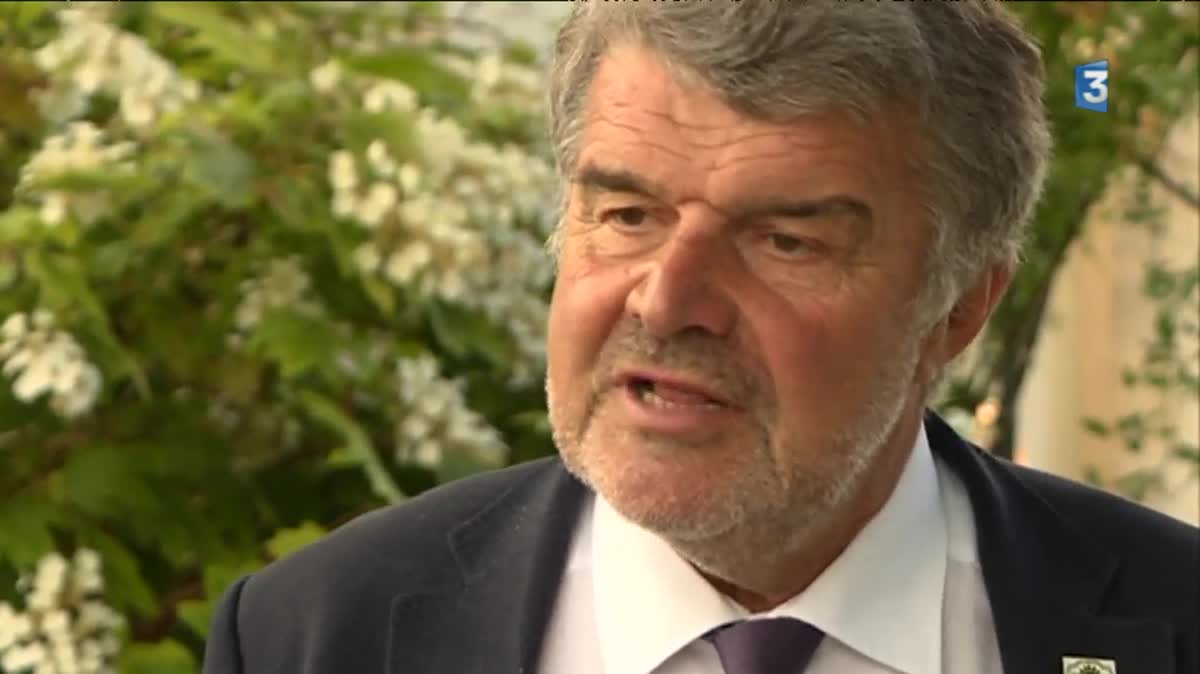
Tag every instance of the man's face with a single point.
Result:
(731, 336)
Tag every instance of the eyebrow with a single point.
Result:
(807, 208)
(593, 178)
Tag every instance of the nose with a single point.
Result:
(680, 288)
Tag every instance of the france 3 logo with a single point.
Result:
(1091, 86)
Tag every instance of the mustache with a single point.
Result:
(695, 353)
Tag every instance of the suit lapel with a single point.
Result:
(1046, 582)
(491, 615)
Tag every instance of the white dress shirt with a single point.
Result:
(906, 596)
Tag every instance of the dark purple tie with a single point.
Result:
(769, 646)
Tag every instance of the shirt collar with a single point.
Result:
(881, 597)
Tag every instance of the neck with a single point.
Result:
(744, 564)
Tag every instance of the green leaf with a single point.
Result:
(9, 272)
(296, 342)
(19, 224)
(220, 34)
(111, 260)
(105, 481)
(24, 14)
(457, 465)
(65, 290)
(1139, 484)
(125, 587)
(163, 219)
(220, 169)
(219, 577)
(64, 285)
(1187, 452)
(287, 541)
(1095, 426)
(415, 67)
(395, 128)
(1164, 325)
(91, 181)
(380, 294)
(163, 657)
(25, 530)
(197, 615)
(1129, 377)
(357, 443)
(464, 332)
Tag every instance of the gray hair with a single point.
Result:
(971, 75)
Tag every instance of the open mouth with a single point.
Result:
(668, 396)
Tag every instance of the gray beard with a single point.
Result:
(772, 510)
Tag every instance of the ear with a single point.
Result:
(966, 319)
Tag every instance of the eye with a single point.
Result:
(631, 216)
(785, 243)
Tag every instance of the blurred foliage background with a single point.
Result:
(267, 266)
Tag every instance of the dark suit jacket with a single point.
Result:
(462, 579)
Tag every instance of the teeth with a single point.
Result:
(647, 395)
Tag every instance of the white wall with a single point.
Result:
(1098, 320)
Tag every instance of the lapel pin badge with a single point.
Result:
(1084, 665)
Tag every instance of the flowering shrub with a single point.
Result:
(66, 626)
(252, 253)
(248, 253)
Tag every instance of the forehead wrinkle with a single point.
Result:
(600, 119)
(726, 162)
(724, 133)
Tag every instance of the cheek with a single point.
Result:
(818, 354)
(797, 343)
(586, 305)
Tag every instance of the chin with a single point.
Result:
(678, 492)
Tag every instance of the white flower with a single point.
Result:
(24, 657)
(418, 211)
(91, 56)
(344, 204)
(410, 179)
(61, 632)
(283, 284)
(137, 109)
(56, 623)
(54, 207)
(380, 200)
(428, 453)
(390, 95)
(94, 616)
(381, 161)
(489, 70)
(367, 258)
(13, 328)
(45, 360)
(14, 627)
(437, 419)
(87, 560)
(110, 644)
(91, 76)
(343, 175)
(442, 140)
(77, 400)
(415, 427)
(452, 285)
(79, 148)
(406, 262)
(326, 76)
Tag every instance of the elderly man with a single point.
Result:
(781, 221)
